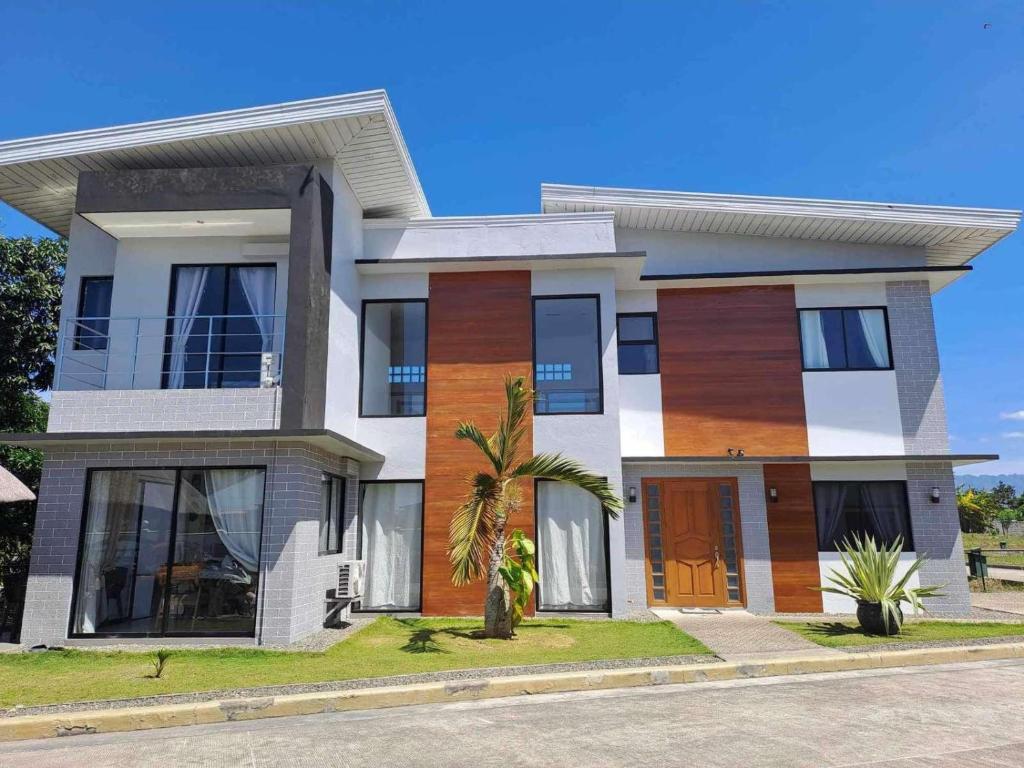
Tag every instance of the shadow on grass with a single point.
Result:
(425, 639)
(835, 629)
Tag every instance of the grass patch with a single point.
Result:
(840, 634)
(991, 541)
(388, 646)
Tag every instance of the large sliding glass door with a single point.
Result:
(572, 549)
(391, 531)
(170, 552)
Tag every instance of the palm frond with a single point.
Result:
(511, 429)
(471, 530)
(467, 430)
(549, 466)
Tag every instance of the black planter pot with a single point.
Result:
(871, 620)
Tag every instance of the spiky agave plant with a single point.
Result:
(477, 535)
(869, 576)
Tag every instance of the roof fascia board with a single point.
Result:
(513, 220)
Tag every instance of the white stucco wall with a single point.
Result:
(689, 252)
(462, 237)
(642, 428)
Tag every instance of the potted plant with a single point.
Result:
(869, 576)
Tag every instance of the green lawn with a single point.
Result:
(385, 647)
(991, 541)
(840, 634)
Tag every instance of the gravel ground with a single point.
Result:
(347, 685)
(898, 646)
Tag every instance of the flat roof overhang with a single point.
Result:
(326, 439)
(956, 459)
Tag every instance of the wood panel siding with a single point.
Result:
(793, 538)
(480, 329)
(730, 371)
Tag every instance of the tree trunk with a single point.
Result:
(497, 606)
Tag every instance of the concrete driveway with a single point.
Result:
(939, 717)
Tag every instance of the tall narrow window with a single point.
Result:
(92, 327)
(567, 355)
(850, 339)
(332, 510)
(150, 567)
(391, 529)
(876, 508)
(573, 564)
(222, 320)
(394, 366)
(638, 342)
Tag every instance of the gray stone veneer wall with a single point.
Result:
(140, 410)
(294, 578)
(936, 529)
(916, 358)
(757, 571)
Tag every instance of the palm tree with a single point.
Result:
(477, 533)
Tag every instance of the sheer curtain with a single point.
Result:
(812, 337)
(392, 522)
(872, 324)
(571, 543)
(829, 501)
(235, 498)
(188, 292)
(883, 502)
(258, 284)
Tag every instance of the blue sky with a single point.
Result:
(919, 102)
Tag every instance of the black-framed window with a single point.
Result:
(332, 513)
(638, 342)
(845, 339)
(221, 320)
(93, 324)
(393, 379)
(169, 552)
(876, 508)
(391, 543)
(567, 374)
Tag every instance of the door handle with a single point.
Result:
(717, 557)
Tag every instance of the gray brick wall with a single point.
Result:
(757, 570)
(916, 359)
(294, 578)
(137, 410)
(936, 529)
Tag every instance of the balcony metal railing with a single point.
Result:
(169, 352)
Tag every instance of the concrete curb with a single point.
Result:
(203, 713)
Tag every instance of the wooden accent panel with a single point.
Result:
(480, 329)
(730, 371)
(793, 538)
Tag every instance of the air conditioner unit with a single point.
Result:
(351, 577)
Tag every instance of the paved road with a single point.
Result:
(939, 717)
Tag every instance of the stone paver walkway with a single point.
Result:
(741, 637)
(1008, 602)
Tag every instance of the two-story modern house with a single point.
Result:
(267, 340)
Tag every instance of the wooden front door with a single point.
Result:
(693, 553)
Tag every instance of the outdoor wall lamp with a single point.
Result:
(935, 496)
(632, 494)
(773, 494)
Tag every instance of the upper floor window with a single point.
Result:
(394, 364)
(93, 323)
(567, 354)
(845, 339)
(638, 342)
(877, 509)
(222, 321)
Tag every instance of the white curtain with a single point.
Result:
(872, 324)
(812, 337)
(571, 543)
(188, 292)
(91, 607)
(392, 521)
(259, 284)
(235, 498)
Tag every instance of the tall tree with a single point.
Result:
(31, 280)
(478, 537)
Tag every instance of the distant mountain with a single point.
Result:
(988, 482)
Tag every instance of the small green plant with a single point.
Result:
(869, 576)
(160, 663)
(520, 573)
(1007, 516)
